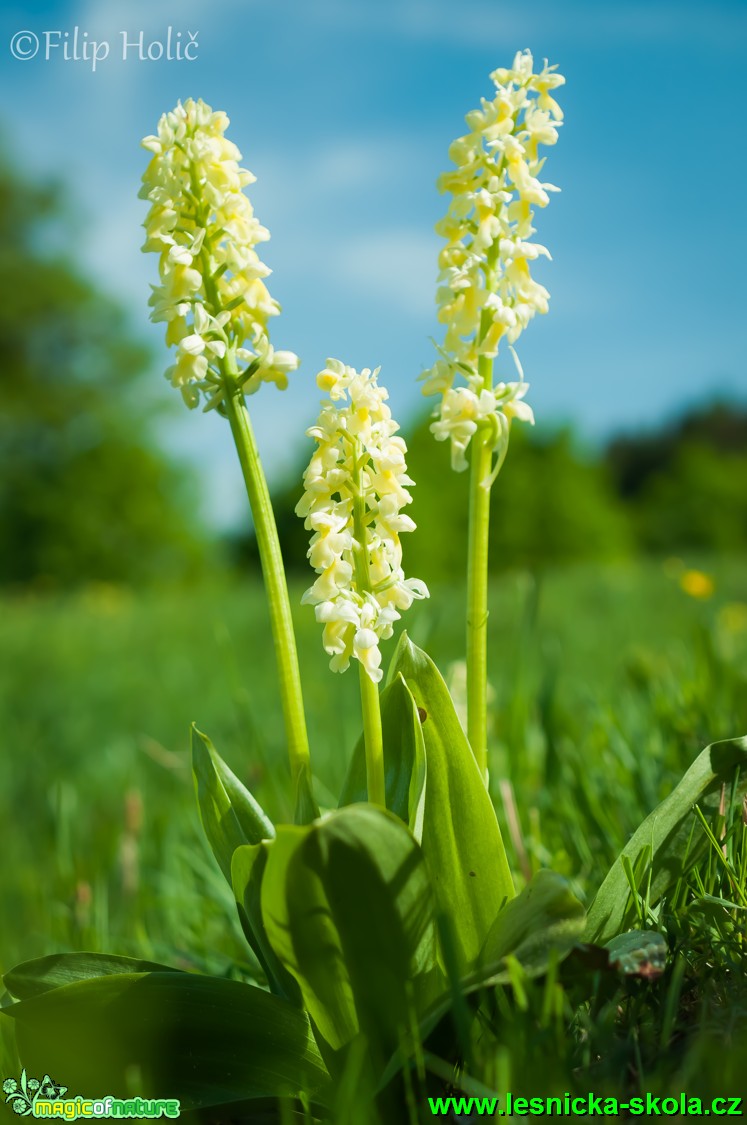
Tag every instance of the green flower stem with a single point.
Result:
(477, 586)
(373, 740)
(270, 557)
(273, 571)
(372, 735)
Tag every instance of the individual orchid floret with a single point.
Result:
(486, 290)
(462, 409)
(355, 488)
(212, 296)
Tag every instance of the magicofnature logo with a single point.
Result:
(24, 1093)
(44, 1098)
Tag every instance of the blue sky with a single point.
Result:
(344, 110)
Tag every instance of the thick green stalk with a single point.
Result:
(477, 599)
(372, 735)
(265, 528)
(477, 587)
(373, 740)
(274, 574)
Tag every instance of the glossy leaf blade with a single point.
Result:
(247, 873)
(461, 837)
(32, 978)
(347, 906)
(671, 834)
(545, 920)
(230, 815)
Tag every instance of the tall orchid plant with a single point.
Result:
(487, 295)
(217, 309)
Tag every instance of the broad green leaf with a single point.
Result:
(347, 906)
(203, 1040)
(545, 920)
(32, 978)
(404, 759)
(461, 837)
(232, 819)
(300, 924)
(670, 831)
(247, 872)
(638, 953)
(230, 816)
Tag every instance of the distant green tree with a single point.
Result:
(700, 501)
(685, 484)
(550, 504)
(84, 491)
(635, 458)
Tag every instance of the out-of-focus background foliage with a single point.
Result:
(85, 494)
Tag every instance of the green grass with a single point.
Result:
(607, 683)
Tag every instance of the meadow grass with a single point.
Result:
(607, 683)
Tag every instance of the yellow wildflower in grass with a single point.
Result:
(697, 584)
(487, 292)
(212, 295)
(354, 489)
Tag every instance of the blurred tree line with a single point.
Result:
(680, 487)
(85, 493)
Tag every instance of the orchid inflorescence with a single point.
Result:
(354, 489)
(212, 295)
(486, 289)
